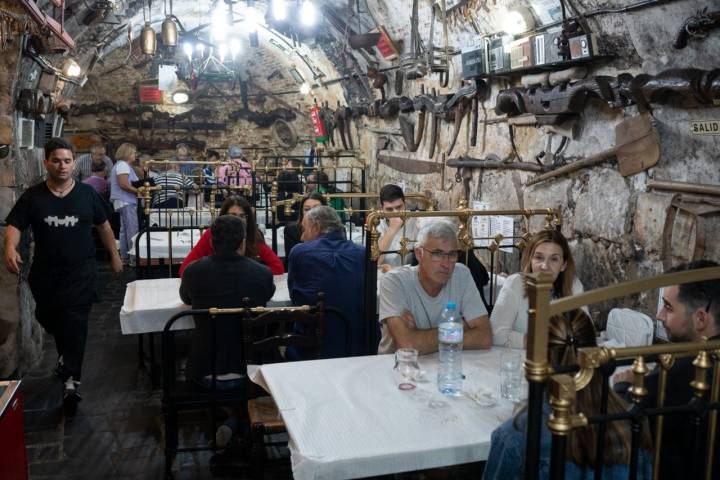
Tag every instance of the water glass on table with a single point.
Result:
(510, 375)
(406, 370)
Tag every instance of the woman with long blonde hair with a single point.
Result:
(547, 252)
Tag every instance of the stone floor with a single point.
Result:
(117, 430)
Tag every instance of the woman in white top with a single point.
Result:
(548, 252)
(124, 197)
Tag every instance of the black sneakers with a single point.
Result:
(71, 395)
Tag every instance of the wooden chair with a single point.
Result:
(267, 335)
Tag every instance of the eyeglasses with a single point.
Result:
(439, 255)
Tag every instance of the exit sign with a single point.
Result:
(705, 127)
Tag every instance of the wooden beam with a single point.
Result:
(45, 20)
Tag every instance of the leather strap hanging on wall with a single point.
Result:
(685, 221)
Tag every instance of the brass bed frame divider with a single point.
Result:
(553, 220)
(563, 387)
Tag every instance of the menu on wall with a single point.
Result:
(486, 228)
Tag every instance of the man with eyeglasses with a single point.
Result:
(412, 299)
(689, 312)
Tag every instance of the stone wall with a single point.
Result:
(616, 224)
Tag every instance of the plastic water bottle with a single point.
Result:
(450, 344)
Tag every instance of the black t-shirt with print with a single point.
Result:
(63, 270)
(62, 227)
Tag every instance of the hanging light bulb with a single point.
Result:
(71, 68)
(234, 47)
(222, 51)
(253, 18)
(219, 23)
(188, 49)
(279, 10)
(308, 13)
(305, 88)
(518, 21)
(148, 39)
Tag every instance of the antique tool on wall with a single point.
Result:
(684, 187)
(637, 148)
(342, 117)
(697, 27)
(397, 161)
(555, 105)
(438, 58)
(413, 62)
(493, 162)
(683, 87)
(379, 79)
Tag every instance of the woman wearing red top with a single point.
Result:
(255, 248)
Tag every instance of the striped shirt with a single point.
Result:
(169, 181)
(83, 166)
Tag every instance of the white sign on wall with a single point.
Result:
(488, 227)
(705, 127)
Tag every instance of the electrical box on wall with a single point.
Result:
(474, 60)
(583, 46)
(26, 133)
(545, 49)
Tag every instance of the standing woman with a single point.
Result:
(548, 252)
(124, 197)
(255, 246)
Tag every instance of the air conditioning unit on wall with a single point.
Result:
(26, 133)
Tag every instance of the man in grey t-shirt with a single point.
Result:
(413, 298)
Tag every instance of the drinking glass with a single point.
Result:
(406, 370)
(510, 375)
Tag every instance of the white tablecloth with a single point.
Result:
(179, 217)
(347, 419)
(182, 242)
(149, 304)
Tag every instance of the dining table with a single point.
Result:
(346, 418)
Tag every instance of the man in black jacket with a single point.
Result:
(223, 280)
(689, 312)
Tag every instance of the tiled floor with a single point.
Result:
(117, 429)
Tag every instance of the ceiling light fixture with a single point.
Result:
(147, 37)
(180, 97)
(169, 33)
(188, 49)
(219, 23)
(279, 9)
(305, 88)
(71, 68)
(253, 18)
(518, 20)
(222, 51)
(234, 47)
(308, 14)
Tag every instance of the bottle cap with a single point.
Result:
(451, 306)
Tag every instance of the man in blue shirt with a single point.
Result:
(326, 262)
